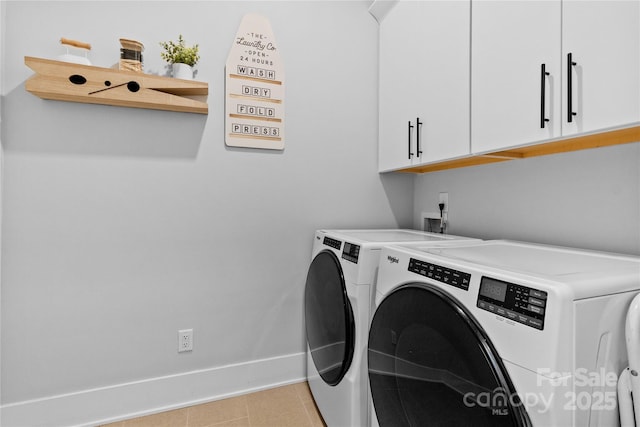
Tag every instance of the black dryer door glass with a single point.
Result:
(430, 364)
(328, 318)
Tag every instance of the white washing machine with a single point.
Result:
(338, 300)
(499, 333)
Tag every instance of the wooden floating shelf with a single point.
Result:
(605, 138)
(64, 81)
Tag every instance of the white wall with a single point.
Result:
(588, 199)
(122, 226)
(2, 5)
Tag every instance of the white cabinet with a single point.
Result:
(511, 40)
(603, 38)
(460, 80)
(424, 83)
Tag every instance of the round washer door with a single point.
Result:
(431, 364)
(328, 318)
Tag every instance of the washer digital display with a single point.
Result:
(515, 302)
(493, 289)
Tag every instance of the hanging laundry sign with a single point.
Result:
(254, 88)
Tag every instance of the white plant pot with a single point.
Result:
(182, 71)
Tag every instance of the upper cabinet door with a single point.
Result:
(424, 83)
(399, 85)
(603, 38)
(511, 96)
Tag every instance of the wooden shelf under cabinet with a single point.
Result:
(64, 81)
(604, 138)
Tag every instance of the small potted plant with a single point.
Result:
(181, 56)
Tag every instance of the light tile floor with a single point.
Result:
(288, 406)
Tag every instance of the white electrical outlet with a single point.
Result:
(185, 340)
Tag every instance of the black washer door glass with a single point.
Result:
(328, 318)
(431, 365)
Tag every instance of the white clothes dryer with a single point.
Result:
(499, 333)
(338, 300)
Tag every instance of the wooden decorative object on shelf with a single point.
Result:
(63, 81)
(72, 57)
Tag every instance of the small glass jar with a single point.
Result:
(131, 55)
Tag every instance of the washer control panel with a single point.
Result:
(335, 244)
(515, 302)
(351, 252)
(445, 275)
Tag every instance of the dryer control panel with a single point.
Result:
(515, 302)
(351, 252)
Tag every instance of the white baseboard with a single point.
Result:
(121, 401)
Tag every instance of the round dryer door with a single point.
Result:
(329, 318)
(431, 364)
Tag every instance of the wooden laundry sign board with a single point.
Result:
(254, 88)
